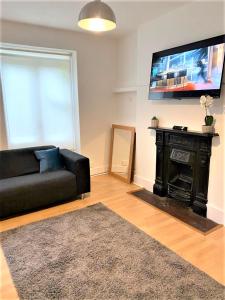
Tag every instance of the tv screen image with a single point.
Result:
(195, 71)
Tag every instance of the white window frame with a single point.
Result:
(74, 81)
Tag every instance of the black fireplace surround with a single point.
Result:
(182, 167)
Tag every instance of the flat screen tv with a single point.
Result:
(188, 71)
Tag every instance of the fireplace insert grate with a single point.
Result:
(180, 188)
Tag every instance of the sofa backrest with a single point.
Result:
(19, 162)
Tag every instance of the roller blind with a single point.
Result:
(38, 99)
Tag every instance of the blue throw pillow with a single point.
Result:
(50, 160)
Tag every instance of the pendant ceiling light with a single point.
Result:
(97, 16)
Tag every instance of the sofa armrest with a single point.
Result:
(78, 165)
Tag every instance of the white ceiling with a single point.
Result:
(64, 14)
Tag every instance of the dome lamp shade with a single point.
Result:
(97, 16)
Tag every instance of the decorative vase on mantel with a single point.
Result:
(206, 102)
(208, 127)
(155, 122)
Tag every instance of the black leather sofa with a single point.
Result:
(23, 188)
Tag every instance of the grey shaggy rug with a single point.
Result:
(93, 253)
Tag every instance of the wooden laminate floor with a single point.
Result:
(205, 252)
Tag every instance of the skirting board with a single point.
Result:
(143, 182)
(99, 170)
(216, 214)
(213, 213)
(105, 169)
(119, 169)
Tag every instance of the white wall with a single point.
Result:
(187, 24)
(125, 108)
(126, 77)
(96, 74)
(182, 29)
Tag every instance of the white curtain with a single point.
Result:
(37, 97)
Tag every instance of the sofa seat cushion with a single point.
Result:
(20, 194)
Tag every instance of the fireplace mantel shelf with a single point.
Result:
(198, 133)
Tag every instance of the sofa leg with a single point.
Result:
(83, 196)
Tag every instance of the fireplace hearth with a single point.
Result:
(182, 167)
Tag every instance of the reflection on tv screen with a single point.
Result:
(199, 69)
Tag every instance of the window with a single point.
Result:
(40, 98)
